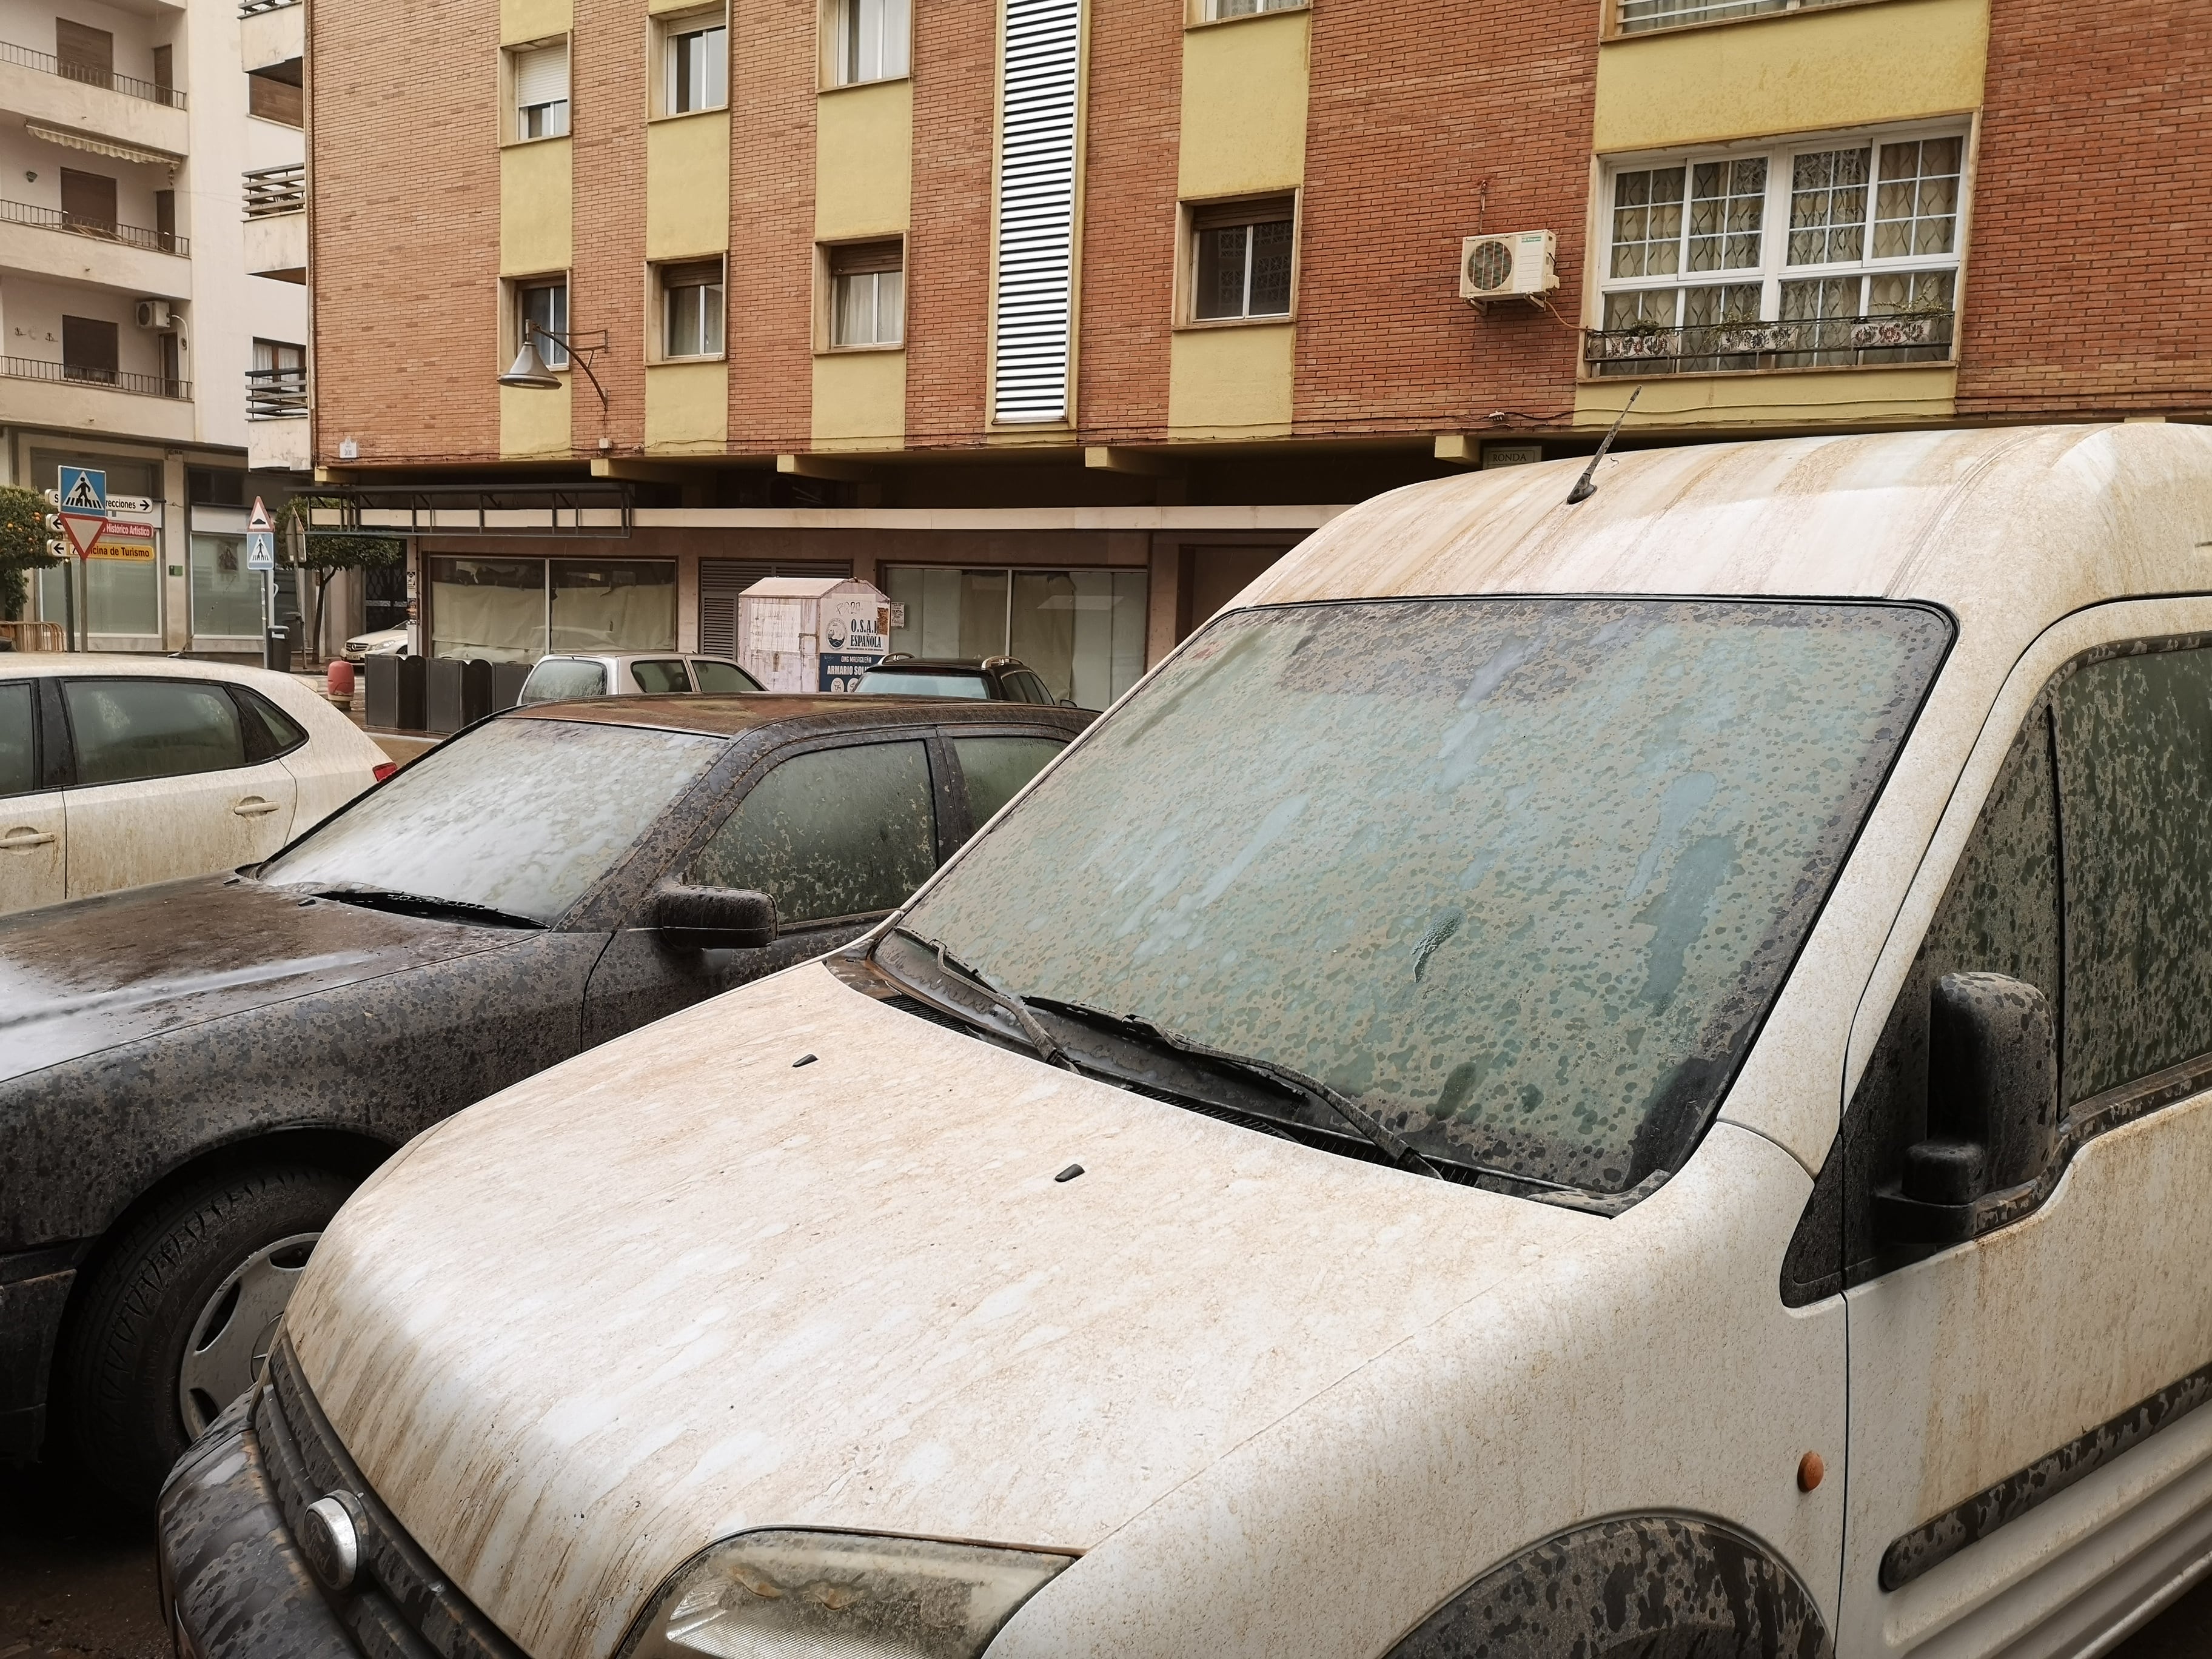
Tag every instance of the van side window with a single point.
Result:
(2000, 915)
(839, 832)
(2134, 761)
(128, 729)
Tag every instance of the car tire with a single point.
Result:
(176, 1273)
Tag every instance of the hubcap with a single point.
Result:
(229, 1342)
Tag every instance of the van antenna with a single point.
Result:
(1585, 489)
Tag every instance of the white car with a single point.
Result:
(1575, 1074)
(116, 771)
(380, 642)
(633, 673)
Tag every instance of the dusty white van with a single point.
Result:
(1621, 1078)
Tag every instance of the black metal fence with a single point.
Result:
(144, 385)
(47, 218)
(91, 75)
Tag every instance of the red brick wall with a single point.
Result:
(2087, 285)
(770, 328)
(1410, 113)
(606, 285)
(949, 239)
(1130, 151)
(406, 231)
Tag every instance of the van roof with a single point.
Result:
(2010, 528)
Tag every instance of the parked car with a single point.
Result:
(378, 642)
(1625, 1077)
(1002, 679)
(556, 679)
(193, 1076)
(118, 771)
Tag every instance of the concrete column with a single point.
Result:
(176, 521)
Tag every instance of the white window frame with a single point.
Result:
(668, 31)
(1695, 14)
(1773, 268)
(1197, 218)
(556, 124)
(1231, 11)
(841, 24)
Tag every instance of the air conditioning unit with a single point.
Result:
(157, 314)
(1505, 267)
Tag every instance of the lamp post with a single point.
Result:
(530, 370)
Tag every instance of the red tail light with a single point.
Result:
(385, 768)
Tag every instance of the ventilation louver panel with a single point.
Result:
(1036, 211)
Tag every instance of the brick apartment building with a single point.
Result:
(1059, 318)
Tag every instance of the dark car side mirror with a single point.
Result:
(1992, 1109)
(715, 918)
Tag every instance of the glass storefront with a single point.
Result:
(1083, 630)
(121, 596)
(226, 595)
(517, 610)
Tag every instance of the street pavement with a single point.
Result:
(77, 1582)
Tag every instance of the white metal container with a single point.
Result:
(812, 632)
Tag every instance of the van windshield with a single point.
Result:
(1520, 877)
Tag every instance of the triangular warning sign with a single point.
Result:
(83, 498)
(82, 532)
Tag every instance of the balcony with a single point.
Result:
(276, 222)
(143, 385)
(44, 242)
(272, 33)
(87, 106)
(1753, 348)
(93, 399)
(276, 394)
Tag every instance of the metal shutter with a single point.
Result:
(720, 581)
(1036, 226)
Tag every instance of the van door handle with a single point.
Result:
(253, 806)
(24, 839)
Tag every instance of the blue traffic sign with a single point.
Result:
(84, 489)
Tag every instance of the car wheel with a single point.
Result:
(177, 1321)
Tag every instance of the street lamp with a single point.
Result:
(530, 371)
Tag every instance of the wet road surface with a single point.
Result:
(76, 1582)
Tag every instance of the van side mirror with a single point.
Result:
(1992, 1110)
(715, 918)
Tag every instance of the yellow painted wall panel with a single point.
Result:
(1244, 106)
(860, 400)
(534, 207)
(687, 185)
(534, 423)
(863, 160)
(534, 20)
(1800, 71)
(1847, 397)
(1232, 382)
(687, 408)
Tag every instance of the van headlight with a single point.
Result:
(794, 1594)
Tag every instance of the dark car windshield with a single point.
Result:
(940, 683)
(1520, 877)
(519, 816)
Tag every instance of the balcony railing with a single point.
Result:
(255, 7)
(116, 380)
(276, 394)
(129, 86)
(47, 218)
(1746, 348)
(272, 191)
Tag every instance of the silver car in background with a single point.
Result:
(556, 679)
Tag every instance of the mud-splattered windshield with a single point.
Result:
(1520, 875)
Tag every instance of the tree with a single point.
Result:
(327, 552)
(23, 537)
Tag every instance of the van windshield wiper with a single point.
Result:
(1039, 1039)
(1311, 1089)
(424, 905)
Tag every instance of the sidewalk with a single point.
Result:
(401, 746)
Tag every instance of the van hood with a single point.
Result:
(79, 978)
(695, 1282)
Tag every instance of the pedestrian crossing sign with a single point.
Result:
(84, 489)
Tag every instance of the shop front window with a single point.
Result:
(507, 609)
(115, 596)
(494, 609)
(124, 596)
(1082, 631)
(226, 595)
(613, 604)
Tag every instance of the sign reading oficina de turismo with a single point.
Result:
(95, 524)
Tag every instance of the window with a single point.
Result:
(520, 609)
(695, 55)
(541, 90)
(542, 303)
(867, 40)
(1241, 259)
(691, 309)
(665, 675)
(84, 53)
(1635, 16)
(269, 732)
(722, 677)
(1082, 631)
(996, 768)
(1805, 256)
(840, 832)
(128, 729)
(1219, 9)
(226, 597)
(91, 349)
(19, 761)
(87, 201)
(556, 679)
(867, 293)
